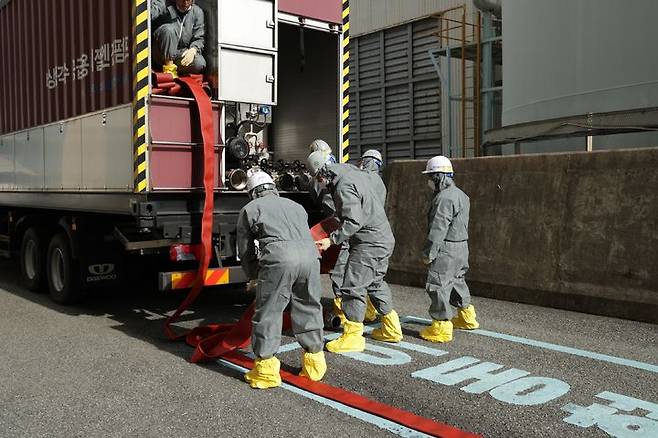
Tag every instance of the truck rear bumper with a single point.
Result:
(168, 281)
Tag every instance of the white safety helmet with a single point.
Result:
(317, 160)
(257, 179)
(438, 164)
(319, 145)
(372, 153)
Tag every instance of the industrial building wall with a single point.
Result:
(368, 16)
(396, 103)
(395, 100)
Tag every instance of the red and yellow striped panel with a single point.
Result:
(214, 277)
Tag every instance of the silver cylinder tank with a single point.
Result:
(571, 57)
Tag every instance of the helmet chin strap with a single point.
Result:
(255, 193)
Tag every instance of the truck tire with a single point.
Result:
(62, 272)
(32, 255)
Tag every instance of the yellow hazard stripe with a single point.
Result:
(142, 17)
(143, 55)
(141, 130)
(142, 36)
(140, 92)
(345, 82)
(346, 41)
(142, 74)
(141, 113)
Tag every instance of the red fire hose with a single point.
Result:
(204, 107)
(223, 340)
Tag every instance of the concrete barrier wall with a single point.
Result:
(576, 231)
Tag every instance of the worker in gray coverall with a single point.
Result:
(446, 253)
(287, 271)
(371, 163)
(364, 224)
(179, 36)
(322, 196)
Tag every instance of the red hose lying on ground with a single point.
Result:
(215, 340)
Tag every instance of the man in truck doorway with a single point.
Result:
(287, 271)
(179, 36)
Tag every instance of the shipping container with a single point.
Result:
(98, 159)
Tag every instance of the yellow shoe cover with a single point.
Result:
(313, 366)
(351, 340)
(170, 68)
(465, 319)
(338, 311)
(391, 330)
(439, 331)
(371, 312)
(264, 374)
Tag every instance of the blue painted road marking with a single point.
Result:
(548, 346)
(467, 368)
(609, 419)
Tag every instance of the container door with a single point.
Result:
(248, 51)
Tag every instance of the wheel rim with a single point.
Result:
(57, 269)
(31, 261)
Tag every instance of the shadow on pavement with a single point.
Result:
(141, 310)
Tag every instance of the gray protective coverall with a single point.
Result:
(176, 32)
(322, 197)
(365, 226)
(288, 271)
(338, 273)
(447, 248)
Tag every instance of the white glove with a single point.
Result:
(188, 57)
(323, 244)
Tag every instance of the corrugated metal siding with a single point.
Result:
(63, 58)
(371, 15)
(395, 98)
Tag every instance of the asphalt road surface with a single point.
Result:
(104, 368)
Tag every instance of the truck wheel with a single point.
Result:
(32, 260)
(62, 271)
